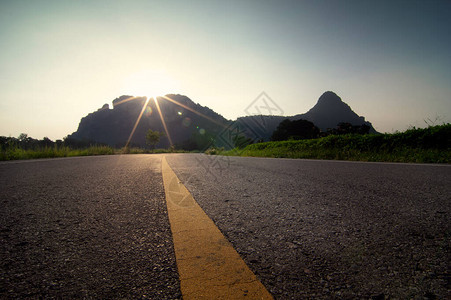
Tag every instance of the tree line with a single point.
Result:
(303, 129)
(26, 142)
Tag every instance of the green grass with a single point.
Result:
(428, 145)
(14, 153)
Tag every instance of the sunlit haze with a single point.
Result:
(60, 60)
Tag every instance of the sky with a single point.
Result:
(60, 60)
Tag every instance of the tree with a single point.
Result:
(25, 141)
(23, 137)
(240, 141)
(46, 142)
(153, 138)
(348, 128)
(297, 130)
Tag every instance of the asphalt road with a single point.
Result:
(92, 227)
(328, 229)
(98, 226)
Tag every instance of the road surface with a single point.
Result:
(92, 227)
(98, 226)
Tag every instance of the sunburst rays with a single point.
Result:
(163, 121)
(137, 122)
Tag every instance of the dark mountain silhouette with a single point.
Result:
(192, 126)
(331, 110)
(328, 112)
(114, 126)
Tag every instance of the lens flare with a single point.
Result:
(127, 100)
(162, 120)
(148, 111)
(186, 122)
(137, 122)
(194, 111)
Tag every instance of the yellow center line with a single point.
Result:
(208, 265)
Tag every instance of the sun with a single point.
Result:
(149, 83)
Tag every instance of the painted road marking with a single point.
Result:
(208, 265)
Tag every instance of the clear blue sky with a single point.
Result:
(60, 60)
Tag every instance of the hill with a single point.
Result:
(328, 112)
(192, 126)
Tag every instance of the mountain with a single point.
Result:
(192, 126)
(186, 128)
(331, 110)
(328, 112)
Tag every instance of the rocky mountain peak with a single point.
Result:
(331, 110)
(330, 101)
(329, 97)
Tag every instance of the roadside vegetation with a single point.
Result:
(427, 145)
(420, 145)
(25, 147)
(14, 152)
